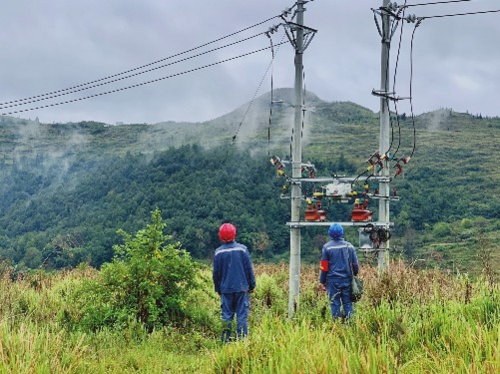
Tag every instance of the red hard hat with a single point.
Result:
(227, 232)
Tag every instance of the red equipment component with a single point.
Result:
(398, 171)
(275, 160)
(314, 211)
(360, 213)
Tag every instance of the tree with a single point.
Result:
(147, 281)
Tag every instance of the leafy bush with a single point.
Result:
(148, 281)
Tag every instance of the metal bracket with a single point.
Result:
(309, 34)
(388, 95)
(347, 224)
(380, 197)
(381, 179)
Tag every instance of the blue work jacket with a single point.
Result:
(232, 269)
(335, 260)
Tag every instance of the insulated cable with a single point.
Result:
(460, 14)
(140, 67)
(419, 21)
(437, 2)
(272, 98)
(273, 55)
(139, 84)
(47, 97)
(411, 87)
(394, 83)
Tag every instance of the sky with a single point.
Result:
(53, 45)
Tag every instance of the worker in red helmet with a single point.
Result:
(234, 280)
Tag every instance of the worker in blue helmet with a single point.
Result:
(336, 271)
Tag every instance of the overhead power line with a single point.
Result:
(411, 90)
(269, 67)
(438, 2)
(140, 67)
(139, 84)
(394, 89)
(461, 14)
(87, 87)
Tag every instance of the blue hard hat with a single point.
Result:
(336, 231)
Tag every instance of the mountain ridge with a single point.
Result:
(88, 179)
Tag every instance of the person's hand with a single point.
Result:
(323, 287)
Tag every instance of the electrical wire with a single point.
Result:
(386, 97)
(394, 83)
(139, 84)
(273, 55)
(128, 76)
(420, 19)
(140, 67)
(272, 99)
(386, 100)
(359, 176)
(461, 14)
(438, 2)
(304, 92)
(411, 89)
(272, 96)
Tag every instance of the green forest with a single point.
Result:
(107, 234)
(66, 189)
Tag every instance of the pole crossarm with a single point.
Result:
(342, 179)
(346, 224)
(308, 34)
(294, 26)
(388, 95)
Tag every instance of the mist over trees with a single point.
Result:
(66, 189)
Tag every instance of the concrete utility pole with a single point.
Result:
(383, 207)
(296, 194)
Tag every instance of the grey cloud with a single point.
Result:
(58, 44)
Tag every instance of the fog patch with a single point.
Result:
(437, 119)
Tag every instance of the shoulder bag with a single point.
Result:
(356, 283)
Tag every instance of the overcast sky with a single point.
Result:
(51, 45)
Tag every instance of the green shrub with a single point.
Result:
(148, 281)
(441, 229)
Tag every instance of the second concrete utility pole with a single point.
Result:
(383, 207)
(296, 194)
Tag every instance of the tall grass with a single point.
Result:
(408, 321)
(36, 338)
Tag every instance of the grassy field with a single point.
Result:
(409, 321)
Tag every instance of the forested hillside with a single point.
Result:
(66, 188)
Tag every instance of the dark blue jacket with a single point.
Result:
(232, 269)
(335, 260)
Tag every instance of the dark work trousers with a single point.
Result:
(235, 303)
(339, 293)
